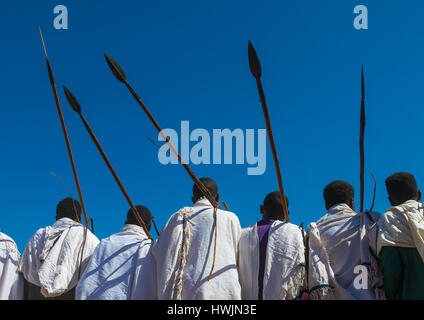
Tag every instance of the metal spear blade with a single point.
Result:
(73, 102)
(116, 69)
(255, 65)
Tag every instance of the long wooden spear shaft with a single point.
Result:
(73, 102)
(255, 68)
(361, 141)
(120, 75)
(65, 132)
(375, 192)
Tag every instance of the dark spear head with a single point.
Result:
(73, 102)
(116, 69)
(255, 65)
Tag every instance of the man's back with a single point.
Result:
(280, 274)
(51, 260)
(11, 282)
(184, 255)
(113, 270)
(400, 245)
(345, 236)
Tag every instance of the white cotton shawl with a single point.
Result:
(338, 243)
(285, 276)
(52, 257)
(115, 270)
(403, 226)
(11, 281)
(184, 256)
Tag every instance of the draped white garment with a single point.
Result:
(11, 281)
(338, 243)
(51, 259)
(121, 268)
(182, 273)
(285, 275)
(403, 226)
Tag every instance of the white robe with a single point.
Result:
(11, 281)
(184, 255)
(284, 276)
(403, 226)
(338, 243)
(52, 257)
(121, 268)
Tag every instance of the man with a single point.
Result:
(121, 267)
(401, 240)
(11, 281)
(56, 256)
(272, 256)
(342, 245)
(184, 252)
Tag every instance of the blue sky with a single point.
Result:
(188, 61)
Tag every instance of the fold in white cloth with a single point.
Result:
(285, 276)
(52, 258)
(11, 281)
(338, 243)
(121, 268)
(403, 226)
(184, 255)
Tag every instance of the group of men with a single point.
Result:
(202, 253)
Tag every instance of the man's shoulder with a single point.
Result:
(5, 237)
(292, 227)
(228, 214)
(90, 236)
(248, 229)
(39, 233)
(287, 230)
(7, 242)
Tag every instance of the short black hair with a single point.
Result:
(338, 192)
(402, 187)
(273, 206)
(209, 184)
(145, 215)
(69, 208)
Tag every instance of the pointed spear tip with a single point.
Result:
(255, 65)
(116, 69)
(73, 102)
(42, 40)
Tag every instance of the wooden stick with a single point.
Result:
(375, 192)
(65, 132)
(120, 75)
(255, 68)
(73, 102)
(361, 141)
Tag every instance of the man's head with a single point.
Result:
(339, 192)
(69, 208)
(272, 207)
(210, 185)
(402, 187)
(145, 215)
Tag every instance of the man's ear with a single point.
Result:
(419, 195)
(217, 197)
(262, 210)
(192, 199)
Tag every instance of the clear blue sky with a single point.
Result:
(188, 61)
